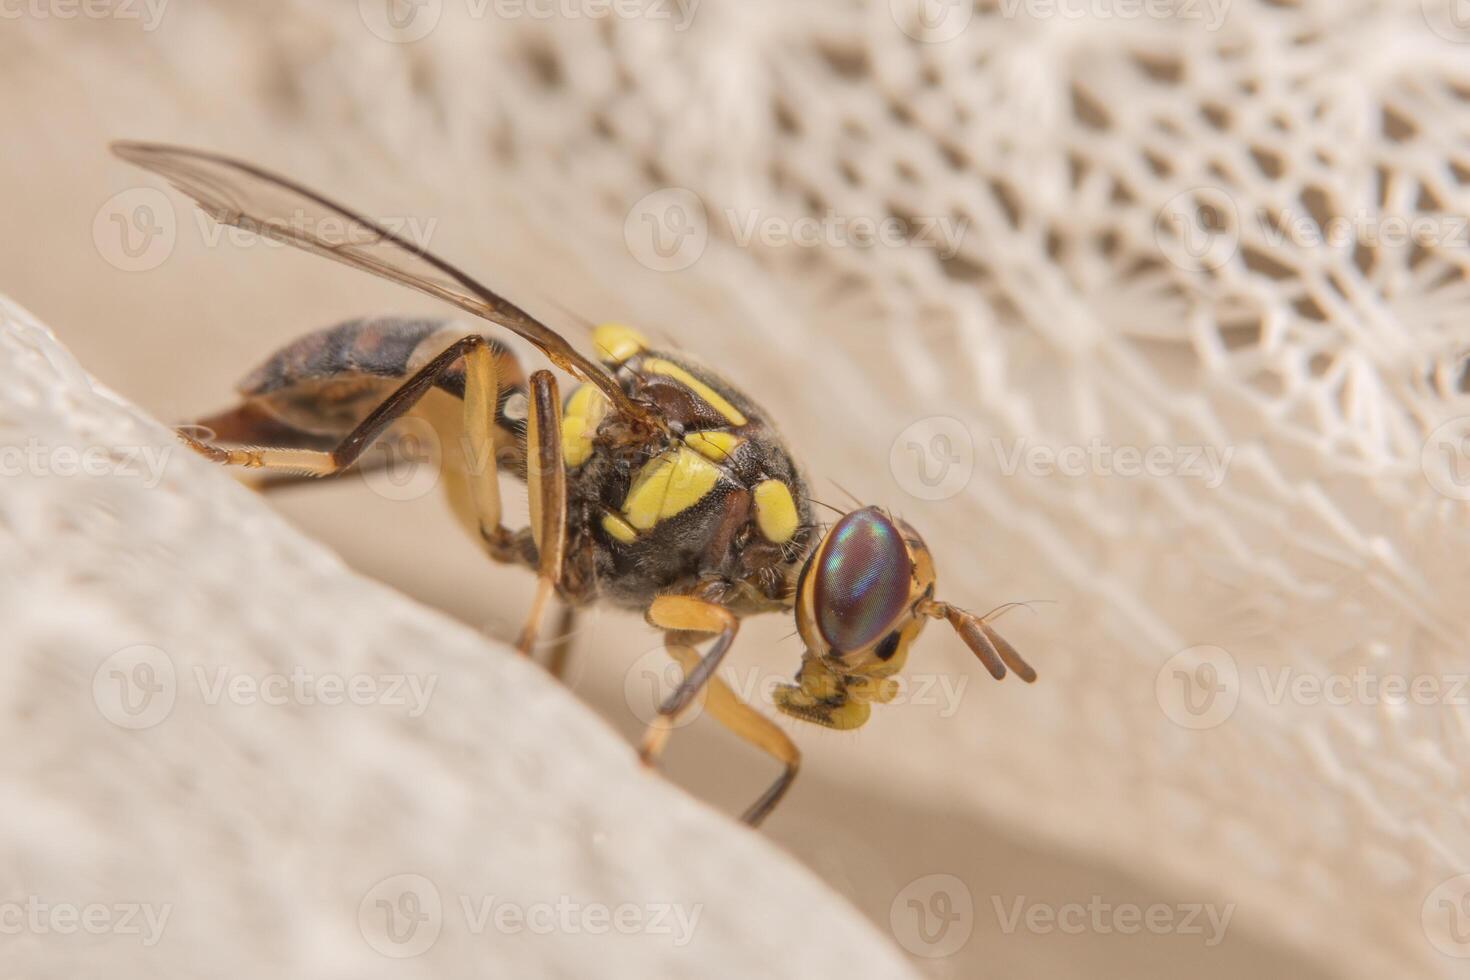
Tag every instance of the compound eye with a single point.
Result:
(863, 580)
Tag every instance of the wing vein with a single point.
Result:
(241, 194)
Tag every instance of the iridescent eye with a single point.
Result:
(862, 580)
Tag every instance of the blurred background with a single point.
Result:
(1153, 311)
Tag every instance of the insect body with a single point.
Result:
(714, 507)
(655, 485)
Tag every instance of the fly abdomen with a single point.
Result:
(327, 381)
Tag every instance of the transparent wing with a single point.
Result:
(233, 192)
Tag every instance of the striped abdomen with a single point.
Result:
(321, 385)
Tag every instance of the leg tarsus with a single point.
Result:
(762, 807)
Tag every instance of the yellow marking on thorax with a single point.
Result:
(775, 511)
(713, 445)
(585, 411)
(668, 485)
(616, 343)
(620, 529)
(718, 402)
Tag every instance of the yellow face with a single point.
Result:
(861, 601)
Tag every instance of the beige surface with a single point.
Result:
(1327, 829)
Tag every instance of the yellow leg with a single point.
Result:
(681, 616)
(677, 615)
(752, 726)
(546, 483)
(481, 391)
(308, 462)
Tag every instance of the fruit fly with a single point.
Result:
(656, 485)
